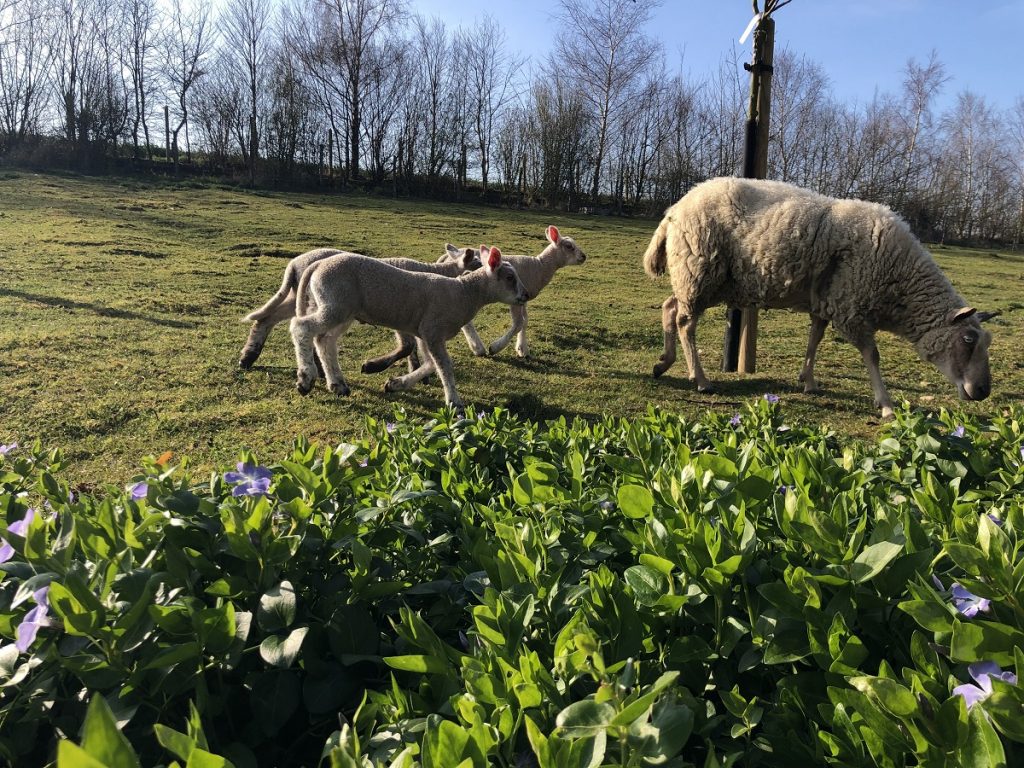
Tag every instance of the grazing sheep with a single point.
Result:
(281, 305)
(535, 272)
(347, 288)
(749, 243)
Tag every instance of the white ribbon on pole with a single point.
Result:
(750, 27)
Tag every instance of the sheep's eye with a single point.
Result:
(968, 338)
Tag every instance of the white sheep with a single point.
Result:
(535, 272)
(347, 288)
(749, 243)
(281, 306)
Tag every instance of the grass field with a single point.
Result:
(120, 303)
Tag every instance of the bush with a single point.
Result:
(493, 591)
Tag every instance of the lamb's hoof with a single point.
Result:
(341, 390)
(246, 360)
(390, 385)
(888, 414)
(706, 389)
(304, 387)
(493, 349)
(371, 366)
(522, 355)
(481, 352)
(659, 368)
(812, 389)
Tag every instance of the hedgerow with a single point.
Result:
(492, 591)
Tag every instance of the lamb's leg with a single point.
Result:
(443, 363)
(869, 351)
(499, 344)
(409, 380)
(522, 349)
(261, 329)
(404, 346)
(327, 349)
(687, 324)
(476, 344)
(304, 330)
(669, 310)
(818, 325)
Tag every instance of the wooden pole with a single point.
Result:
(765, 31)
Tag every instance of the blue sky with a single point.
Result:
(862, 44)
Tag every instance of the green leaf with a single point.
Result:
(648, 585)
(584, 718)
(983, 748)
(421, 663)
(635, 501)
(102, 740)
(177, 743)
(873, 559)
(895, 698)
(175, 654)
(984, 641)
(277, 608)
(70, 755)
(276, 695)
(281, 651)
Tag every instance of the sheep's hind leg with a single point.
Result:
(405, 346)
(414, 377)
(445, 370)
(818, 326)
(669, 310)
(869, 351)
(687, 324)
(304, 330)
(327, 349)
(522, 348)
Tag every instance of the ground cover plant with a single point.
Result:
(738, 589)
(120, 306)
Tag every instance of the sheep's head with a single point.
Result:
(510, 288)
(959, 348)
(469, 258)
(571, 253)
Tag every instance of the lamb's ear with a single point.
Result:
(959, 315)
(493, 259)
(983, 316)
(453, 252)
(553, 235)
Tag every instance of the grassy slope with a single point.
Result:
(120, 304)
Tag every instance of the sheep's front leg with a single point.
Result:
(669, 310)
(687, 325)
(869, 351)
(499, 344)
(443, 363)
(260, 330)
(304, 330)
(411, 379)
(476, 344)
(818, 325)
(521, 347)
(327, 349)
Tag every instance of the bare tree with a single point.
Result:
(141, 19)
(187, 43)
(24, 60)
(351, 27)
(245, 27)
(605, 50)
(921, 83)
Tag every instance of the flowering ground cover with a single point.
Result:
(739, 589)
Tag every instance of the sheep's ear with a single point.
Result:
(452, 250)
(959, 315)
(493, 258)
(553, 235)
(983, 316)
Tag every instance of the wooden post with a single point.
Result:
(740, 349)
(167, 133)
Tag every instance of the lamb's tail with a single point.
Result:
(655, 257)
(302, 297)
(289, 282)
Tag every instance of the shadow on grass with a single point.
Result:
(99, 309)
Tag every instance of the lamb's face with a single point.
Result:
(469, 258)
(512, 289)
(573, 253)
(961, 353)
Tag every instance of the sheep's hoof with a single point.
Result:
(706, 389)
(390, 385)
(372, 366)
(304, 387)
(245, 361)
(340, 389)
(812, 389)
(659, 368)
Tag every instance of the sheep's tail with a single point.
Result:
(290, 281)
(655, 257)
(302, 297)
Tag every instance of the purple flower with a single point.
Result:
(139, 490)
(34, 619)
(249, 480)
(735, 420)
(993, 518)
(19, 527)
(784, 489)
(606, 505)
(390, 427)
(982, 672)
(363, 463)
(771, 398)
(968, 604)
(7, 448)
(959, 431)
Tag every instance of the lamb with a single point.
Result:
(855, 264)
(346, 288)
(535, 272)
(281, 305)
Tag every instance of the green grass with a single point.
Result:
(120, 304)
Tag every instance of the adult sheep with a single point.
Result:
(752, 243)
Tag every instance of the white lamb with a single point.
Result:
(281, 306)
(855, 264)
(348, 288)
(535, 272)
